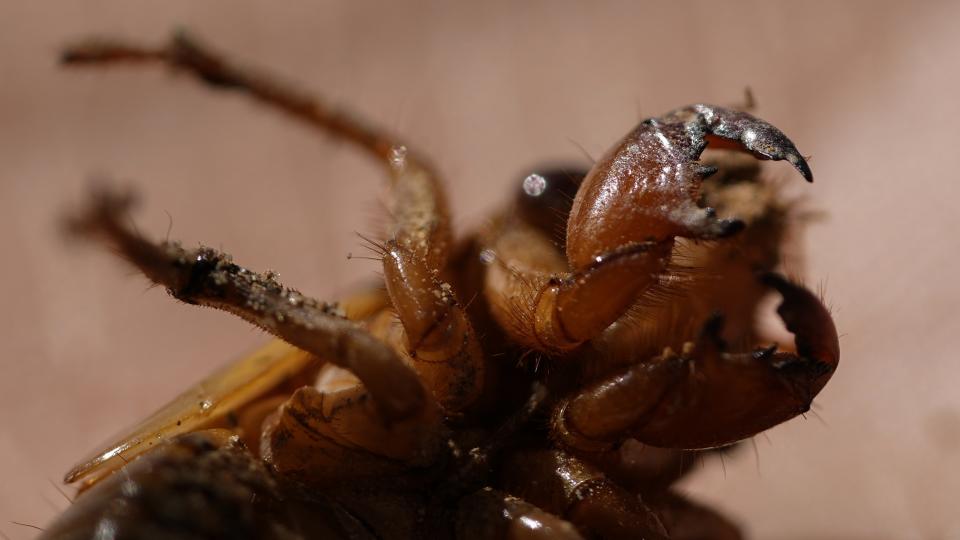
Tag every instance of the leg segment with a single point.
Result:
(543, 306)
(209, 278)
(712, 277)
(705, 397)
(437, 331)
(568, 487)
(644, 469)
(492, 515)
(620, 233)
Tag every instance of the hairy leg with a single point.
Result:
(438, 339)
(623, 223)
(208, 277)
(712, 277)
(705, 396)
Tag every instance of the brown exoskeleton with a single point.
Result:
(351, 425)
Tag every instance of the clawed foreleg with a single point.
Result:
(704, 396)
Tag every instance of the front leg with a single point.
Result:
(705, 397)
(621, 229)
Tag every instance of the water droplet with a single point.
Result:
(398, 156)
(534, 185)
(206, 405)
(487, 256)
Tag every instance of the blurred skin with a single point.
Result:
(867, 88)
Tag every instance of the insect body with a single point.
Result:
(352, 425)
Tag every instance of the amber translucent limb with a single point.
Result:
(550, 309)
(566, 486)
(705, 397)
(492, 515)
(435, 335)
(520, 263)
(228, 390)
(209, 278)
(437, 331)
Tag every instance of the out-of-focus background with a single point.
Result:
(869, 88)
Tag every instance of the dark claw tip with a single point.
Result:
(801, 165)
(706, 171)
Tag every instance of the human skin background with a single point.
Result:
(869, 89)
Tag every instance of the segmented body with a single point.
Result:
(608, 345)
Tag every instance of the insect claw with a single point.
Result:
(728, 128)
(806, 317)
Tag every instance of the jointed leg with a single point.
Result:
(207, 277)
(645, 469)
(622, 226)
(547, 308)
(437, 331)
(492, 515)
(704, 396)
(576, 491)
(712, 277)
